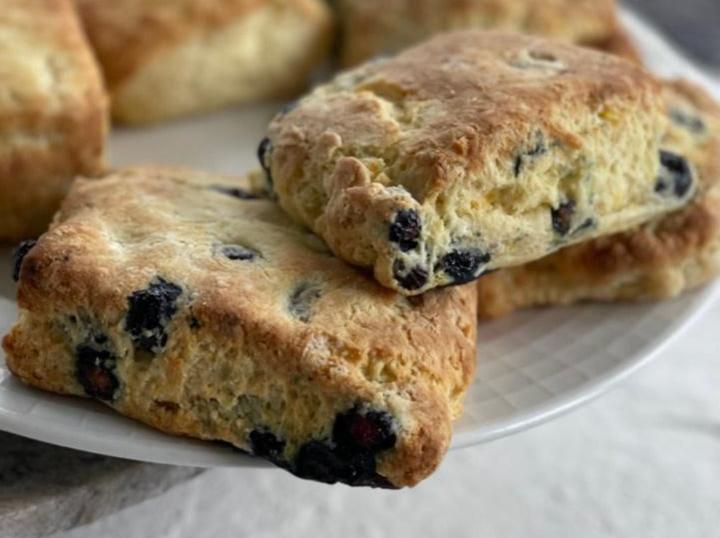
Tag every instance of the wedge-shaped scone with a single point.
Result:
(655, 261)
(373, 27)
(167, 58)
(472, 152)
(182, 301)
(52, 112)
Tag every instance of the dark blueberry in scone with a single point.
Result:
(464, 266)
(412, 279)
(372, 430)
(562, 217)
(317, 461)
(237, 253)
(689, 121)
(95, 371)
(236, 192)
(302, 299)
(149, 313)
(265, 444)
(676, 176)
(406, 229)
(263, 154)
(18, 256)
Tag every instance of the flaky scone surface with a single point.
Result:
(180, 302)
(200, 55)
(373, 27)
(656, 261)
(472, 152)
(52, 112)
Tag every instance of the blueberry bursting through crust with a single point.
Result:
(95, 371)
(676, 176)
(18, 256)
(149, 313)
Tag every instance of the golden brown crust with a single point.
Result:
(656, 261)
(132, 37)
(482, 136)
(285, 341)
(374, 27)
(52, 112)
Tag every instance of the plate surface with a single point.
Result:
(531, 367)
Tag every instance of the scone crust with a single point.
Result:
(53, 112)
(656, 261)
(374, 27)
(233, 340)
(446, 129)
(132, 35)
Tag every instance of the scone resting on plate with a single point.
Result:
(184, 301)
(166, 58)
(373, 27)
(472, 152)
(655, 261)
(52, 112)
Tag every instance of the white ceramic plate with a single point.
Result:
(531, 366)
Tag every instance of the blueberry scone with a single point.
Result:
(472, 152)
(655, 261)
(373, 27)
(187, 302)
(167, 58)
(53, 112)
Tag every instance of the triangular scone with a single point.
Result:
(656, 261)
(185, 302)
(474, 151)
(369, 28)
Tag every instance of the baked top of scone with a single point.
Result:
(202, 54)
(471, 152)
(657, 260)
(53, 112)
(185, 301)
(373, 27)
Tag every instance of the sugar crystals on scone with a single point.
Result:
(189, 302)
(53, 111)
(473, 152)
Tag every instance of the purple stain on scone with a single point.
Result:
(150, 312)
(302, 300)
(95, 371)
(371, 430)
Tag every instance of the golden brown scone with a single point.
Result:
(656, 261)
(373, 27)
(472, 152)
(168, 58)
(52, 112)
(182, 301)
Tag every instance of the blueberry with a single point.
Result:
(263, 153)
(18, 256)
(301, 301)
(411, 280)
(676, 174)
(317, 461)
(692, 123)
(562, 217)
(149, 312)
(406, 229)
(236, 192)
(464, 266)
(95, 371)
(238, 253)
(266, 445)
(371, 431)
